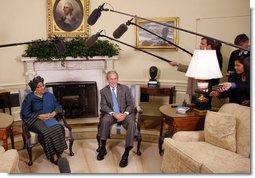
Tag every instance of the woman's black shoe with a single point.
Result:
(54, 162)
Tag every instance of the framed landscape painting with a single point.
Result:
(147, 40)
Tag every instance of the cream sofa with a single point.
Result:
(222, 147)
(9, 161)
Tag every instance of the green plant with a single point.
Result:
(44, 50)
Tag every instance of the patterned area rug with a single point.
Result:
(84, 160)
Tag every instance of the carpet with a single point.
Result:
(84, 160)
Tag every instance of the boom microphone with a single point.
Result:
(94, 19)
(59, 45)
(120, 31)
(94, 16)
(92, 40)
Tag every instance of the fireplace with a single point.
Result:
(78, 98)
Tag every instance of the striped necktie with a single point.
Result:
(115, 102)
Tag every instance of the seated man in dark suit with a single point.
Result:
(116, 106)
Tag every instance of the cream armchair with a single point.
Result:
(9, 161)
(222, 147)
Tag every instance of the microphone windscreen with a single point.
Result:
(94, 16)
(91, 41)
(120, 31)
(63, 165)
(60, 46)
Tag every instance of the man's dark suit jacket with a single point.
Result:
(124, 99)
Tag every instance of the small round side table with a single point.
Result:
(6, 122)
(189, 121)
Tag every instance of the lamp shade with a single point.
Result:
(204, 65)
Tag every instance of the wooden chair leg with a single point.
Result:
(139, 140)
(24, 142)
(29, 151)
(71, 147)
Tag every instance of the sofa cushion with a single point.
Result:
(189, 136)
(220, 130)
(195, 157)
(243, 132)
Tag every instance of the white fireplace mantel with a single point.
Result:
(74, 69)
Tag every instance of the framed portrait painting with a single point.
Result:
(68, 18)
(146, 40)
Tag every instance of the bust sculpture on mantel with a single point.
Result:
(74, 69)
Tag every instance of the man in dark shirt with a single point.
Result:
(243, 41)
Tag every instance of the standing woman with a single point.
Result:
(237, 88)
(38, 111)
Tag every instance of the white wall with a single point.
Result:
(26, 20)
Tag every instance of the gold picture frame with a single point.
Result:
(146, 40)
(68, 18)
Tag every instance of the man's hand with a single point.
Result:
(173, 63)
(246, 103)
(119, 116)
(225, 87)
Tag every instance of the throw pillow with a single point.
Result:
(220, 130)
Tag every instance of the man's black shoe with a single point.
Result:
(101, 154)
(124, 161)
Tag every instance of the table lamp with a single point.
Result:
(203, 67)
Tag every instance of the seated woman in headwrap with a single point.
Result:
(38, 111)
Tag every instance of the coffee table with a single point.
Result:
(189, 121)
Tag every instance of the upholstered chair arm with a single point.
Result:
(139, 112)
(139, 109)
(189, 136)
(61, 116)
